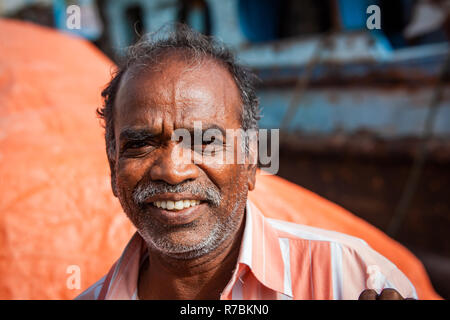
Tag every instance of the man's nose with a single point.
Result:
(172, 167)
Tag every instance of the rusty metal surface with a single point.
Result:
(371, 188)
(408, 73)
(366, 145)
(392, 113)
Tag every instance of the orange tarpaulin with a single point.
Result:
(57, 211)
(56, 208)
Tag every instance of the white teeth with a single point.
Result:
(176, 205)
(179, 205)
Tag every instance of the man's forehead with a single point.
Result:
(183, 92)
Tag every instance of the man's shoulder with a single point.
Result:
(345, 256)
(344, 245)
(93, 292)
(295, 231)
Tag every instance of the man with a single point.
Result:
(198, 237)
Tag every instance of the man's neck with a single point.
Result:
(203, 278)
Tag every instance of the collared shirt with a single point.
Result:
(277, 260)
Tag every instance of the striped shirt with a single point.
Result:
(277, 260)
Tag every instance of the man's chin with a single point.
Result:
(186, 255)
(182, 250)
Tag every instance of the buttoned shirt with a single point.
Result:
(277, 260)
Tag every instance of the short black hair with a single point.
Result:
(178, 37)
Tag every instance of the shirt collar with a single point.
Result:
(260, 250)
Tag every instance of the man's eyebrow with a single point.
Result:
(208, 127)
(136, 134)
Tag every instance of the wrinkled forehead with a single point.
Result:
(178, 92)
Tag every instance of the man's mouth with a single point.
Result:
(176, 205)
(177, 210)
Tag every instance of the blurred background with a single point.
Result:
(364, 114)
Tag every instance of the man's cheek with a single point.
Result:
(126, 180)
(129, 171)
(236, 181)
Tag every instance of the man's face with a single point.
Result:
(149, 106)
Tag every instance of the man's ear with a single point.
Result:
(251, 177)
(113, 177)
(252, 160)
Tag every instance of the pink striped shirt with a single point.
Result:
(277, 260)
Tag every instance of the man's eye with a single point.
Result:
(137, 148)
(215, 140)
(136, 145)
(207, 142)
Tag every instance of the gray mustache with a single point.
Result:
(143, 191)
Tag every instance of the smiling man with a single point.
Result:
(198, 237)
